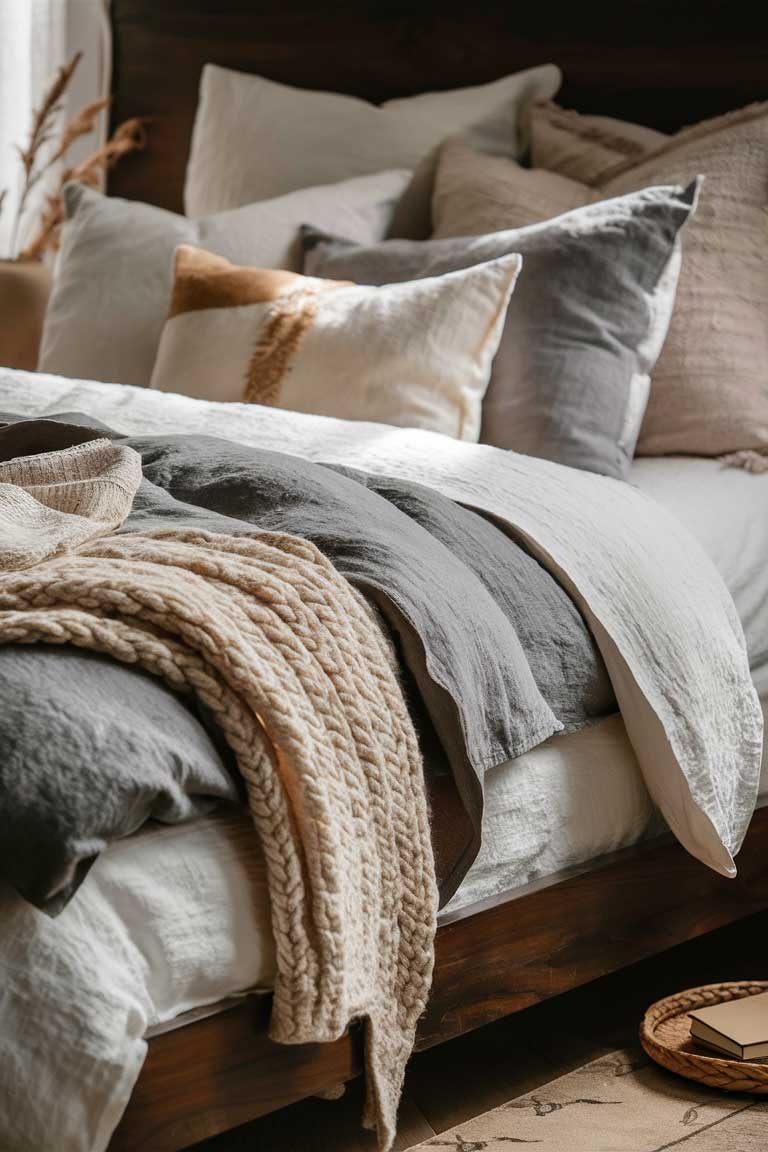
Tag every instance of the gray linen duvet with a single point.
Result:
(499, 656)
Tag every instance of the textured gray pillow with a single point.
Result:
(89, 750)
(585, 325)
(114, 273)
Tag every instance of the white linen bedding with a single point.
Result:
(726, 509)
(177, 918)
(661, 615)
(168, 919)
(580, 795)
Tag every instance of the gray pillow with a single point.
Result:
(89, 750)
(585, 325)
(114, 273)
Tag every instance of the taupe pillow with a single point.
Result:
(475, 193)
(570, 380)
(709, 394)
(589, 148)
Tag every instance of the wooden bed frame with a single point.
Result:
(652, 61)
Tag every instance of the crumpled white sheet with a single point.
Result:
(75, 991)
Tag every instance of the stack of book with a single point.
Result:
(737, 1028)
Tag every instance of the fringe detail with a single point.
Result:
(749, 460)
(583, 126)
(334, 1093)
(734, 119)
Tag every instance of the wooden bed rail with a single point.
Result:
(493, 959)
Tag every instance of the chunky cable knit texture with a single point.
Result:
(303, 685)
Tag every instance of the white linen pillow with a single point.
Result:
(417, 354)
(114, 273)
(254, 139)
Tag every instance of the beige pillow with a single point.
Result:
(588, 148)
(709, 393)
(416, 354)
(476, 194)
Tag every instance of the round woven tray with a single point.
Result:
(665, 1034)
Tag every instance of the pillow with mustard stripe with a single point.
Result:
(415, 354)
(114, 272)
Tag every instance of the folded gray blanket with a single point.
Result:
(90, 749)
(499, 654)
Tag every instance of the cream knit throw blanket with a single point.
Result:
(302, 682)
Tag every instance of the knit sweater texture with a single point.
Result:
(303, 683)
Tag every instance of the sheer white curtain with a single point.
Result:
(36, 38)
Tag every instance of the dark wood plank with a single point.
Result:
(487, 1067)
(492, 959)
(651, 61)
(219, 1072)
(322, 1126)
(559, 933)
(450, 1083)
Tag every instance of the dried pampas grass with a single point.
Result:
(83, 123)
(38, 160)
(127, 137)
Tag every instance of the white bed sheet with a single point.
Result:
(727, 510)
(179, 918)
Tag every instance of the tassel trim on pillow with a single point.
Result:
(748, 460)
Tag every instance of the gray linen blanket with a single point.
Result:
(499, 654)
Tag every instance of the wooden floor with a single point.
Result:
(474, 1073)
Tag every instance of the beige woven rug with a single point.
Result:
(619, 1103)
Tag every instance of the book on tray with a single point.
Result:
(737, 1028)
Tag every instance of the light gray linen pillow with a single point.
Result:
(584, 327)
(114, 273)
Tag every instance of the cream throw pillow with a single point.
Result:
(709, 392)
(254, 139)
(417, 354)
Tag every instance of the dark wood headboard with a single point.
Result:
(664, 63)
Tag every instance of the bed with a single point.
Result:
(572, 881)
(581, 877)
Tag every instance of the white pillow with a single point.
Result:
(254, 139)
(115, 270)
(416, 354)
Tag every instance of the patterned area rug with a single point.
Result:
(619, 1103)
